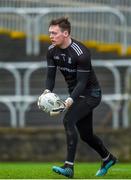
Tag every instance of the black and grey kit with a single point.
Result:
(74, 62)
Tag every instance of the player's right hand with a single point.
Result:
(46, 91)
(38, 101)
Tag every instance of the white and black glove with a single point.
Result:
(68, 102)
(38, 102)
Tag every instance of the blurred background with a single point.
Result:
(104, 26)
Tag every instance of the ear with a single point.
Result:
(66, 34)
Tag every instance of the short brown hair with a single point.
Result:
(62, 22)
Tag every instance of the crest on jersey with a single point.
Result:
(69, 60)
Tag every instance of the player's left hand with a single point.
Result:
(68, 102)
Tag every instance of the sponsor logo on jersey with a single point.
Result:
(66, 69)
(56, 57)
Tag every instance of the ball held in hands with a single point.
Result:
(51, 103)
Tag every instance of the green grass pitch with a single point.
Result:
(43, 170)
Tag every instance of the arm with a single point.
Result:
(83, 74)
(51, 73)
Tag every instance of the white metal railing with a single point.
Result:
(21, 100)
(33, 24)
(26, 25)
(121, 5)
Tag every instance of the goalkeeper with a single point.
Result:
(73, 59)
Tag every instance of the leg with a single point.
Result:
(74, 115)
(71, 136)
(71, 117)
(86, 133)
(85, 128)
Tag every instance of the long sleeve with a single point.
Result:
(51, 73)
(83, 75)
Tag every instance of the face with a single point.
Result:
(57, 36)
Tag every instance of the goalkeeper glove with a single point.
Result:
(68, 102)
(45, 92)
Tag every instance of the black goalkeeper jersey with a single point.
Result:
(74, 62)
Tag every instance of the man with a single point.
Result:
(73, 59)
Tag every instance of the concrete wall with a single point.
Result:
(49, 144)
